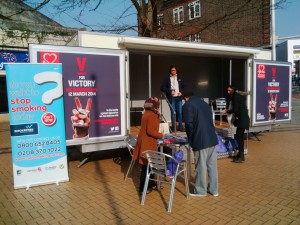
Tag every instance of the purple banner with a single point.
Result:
(92, 93)
(271, 92)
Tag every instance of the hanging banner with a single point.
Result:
(271, 92)
(36, 113)
(94, 87)
(12, 56)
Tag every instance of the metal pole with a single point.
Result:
(149, 74)
(170, 105)
(230, 71)
(273, 31)
(289, 37)
(161, 105)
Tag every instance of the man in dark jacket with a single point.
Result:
(174, 87)
(241, 119)
(202, 138)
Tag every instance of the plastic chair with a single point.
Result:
(157, 165)
(220, 106)
(130, 143)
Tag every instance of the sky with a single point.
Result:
(106, 16)
(286, 19)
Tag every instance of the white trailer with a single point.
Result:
(206, 68)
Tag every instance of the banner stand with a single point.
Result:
(36, 113)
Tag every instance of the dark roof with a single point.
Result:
(16, 10)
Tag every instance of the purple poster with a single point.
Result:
(93, 93)
(271, 92)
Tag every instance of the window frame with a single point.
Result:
(192, 9)
(160, 18)
(195, 37)
(178, 15)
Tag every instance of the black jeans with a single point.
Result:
(239, 136)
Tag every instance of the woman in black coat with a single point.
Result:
(241, 119)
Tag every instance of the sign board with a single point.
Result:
(94, 90)
(271, 92)
(12, 56)
(35, 99)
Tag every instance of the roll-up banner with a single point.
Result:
(271, 92)
(36, 113)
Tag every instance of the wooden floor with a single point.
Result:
(134, 130)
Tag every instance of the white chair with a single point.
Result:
(157, 165)
(218, 111)
(130, 143)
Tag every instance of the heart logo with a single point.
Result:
(49, 58)
(261, 71)
(261, 68)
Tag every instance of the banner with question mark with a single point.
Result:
(36, 112)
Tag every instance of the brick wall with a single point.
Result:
(231, 22)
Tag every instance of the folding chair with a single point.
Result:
(157, 165)
(220, 106)
(130, 143)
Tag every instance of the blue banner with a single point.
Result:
(12, 56)
(35, 99)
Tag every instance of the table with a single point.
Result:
(177, 141)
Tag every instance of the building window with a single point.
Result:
(195, 37)
(194, 10)
(160, 18)
(178, 15)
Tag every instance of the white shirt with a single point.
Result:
(174, 84)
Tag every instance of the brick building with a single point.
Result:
(230, 22)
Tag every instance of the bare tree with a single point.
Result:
(146, 12)
(80, 8)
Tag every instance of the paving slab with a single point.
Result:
(263, 190)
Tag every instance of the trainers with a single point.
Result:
(197, 195)
(215, 195)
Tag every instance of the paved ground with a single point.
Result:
(263, 190)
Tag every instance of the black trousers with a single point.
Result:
(239, 136)
(143, 178)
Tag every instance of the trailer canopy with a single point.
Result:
(152, 44)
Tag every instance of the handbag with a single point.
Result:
(221, 146)
(171, 164)
(231, 144)
(164, 128)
